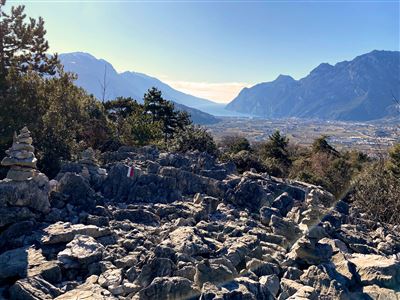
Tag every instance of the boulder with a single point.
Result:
(262, 268)
(308, 252)
(248, 193)
(28, 262)
(39, 266)
(271, 282)
(32, 194)
(285, 228)
(292, 273)
(117, 185)
(375, 269)
(172, 288)
(378, 293)
(186, 240)
(97, 220)
(80, 252)
(344, 267)
(188, 272)
(283, 203)
(140, 216)
(14, 235)
(213, 272)
(289, 287)
(61, 232)
(322, 280)
(89, 290)
(210, 291)
(78, 190)
(11, 215)
(219, 174)
(146, 188)
(158, 267)
(14, 263)
(126, 261)
(317, 197)
(209, 203)
(241, 248)
(33, 288)
(266, 214)
(305, 293)
(251, 289)
(110, 279)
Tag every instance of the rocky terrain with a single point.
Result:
(184, 226)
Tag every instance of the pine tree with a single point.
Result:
(23, 45)
(169, 119)
(276, 146)
(183, 119)
(153, 102)
(278, 140)
(275, 154)
(321, 145)
(23, 63)
(163, 111)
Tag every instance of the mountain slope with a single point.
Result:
(359, 90)
(91, 71)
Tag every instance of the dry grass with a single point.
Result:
(377, 193)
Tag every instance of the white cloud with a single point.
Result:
(222, 92)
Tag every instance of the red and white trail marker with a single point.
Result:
(131, 172)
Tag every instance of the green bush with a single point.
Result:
(321, 164)
(275, 167)
(274, 154)
(194, 138)
(234, 144)
(246, 160)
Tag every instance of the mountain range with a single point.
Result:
(94, 74)
(362, 89)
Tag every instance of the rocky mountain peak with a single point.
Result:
(321, 69)
(284, 79)
(345, 91)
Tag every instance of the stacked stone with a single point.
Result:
(90, 165)
(21, 158)
(88, 158)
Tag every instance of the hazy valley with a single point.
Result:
(371, 138)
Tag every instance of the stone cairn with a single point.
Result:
(88, 158)
(90, 164)
(21, 158)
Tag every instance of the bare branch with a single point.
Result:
(104, 85)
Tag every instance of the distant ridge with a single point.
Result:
(91, 70)
(358, 90)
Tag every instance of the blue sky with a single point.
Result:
(214, 48)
